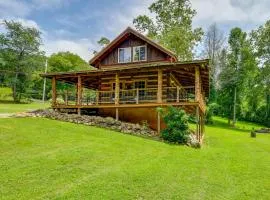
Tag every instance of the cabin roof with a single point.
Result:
(203, 63)
(123, 35)
(186, 70)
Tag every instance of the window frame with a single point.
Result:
(130, 54)
(133, 54)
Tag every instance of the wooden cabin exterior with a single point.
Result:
(132, 77)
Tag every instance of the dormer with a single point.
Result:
(131, 47)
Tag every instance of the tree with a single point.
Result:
(239, 70)
(103, 42)
(213, 44)
(66, 61)
(20, 51)
(261, 41)
(172, 26)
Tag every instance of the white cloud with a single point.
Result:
(82, 47)
(14, 8)
(220, 11)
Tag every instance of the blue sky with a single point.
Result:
(76, 25)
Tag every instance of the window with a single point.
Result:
(124, 55)
(139, 53)
(141, 86)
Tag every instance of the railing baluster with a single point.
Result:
(137, 96)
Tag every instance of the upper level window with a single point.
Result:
(139, 53)
(124, 55)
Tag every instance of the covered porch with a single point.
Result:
(140, 86)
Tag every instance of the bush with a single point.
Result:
(58, 100)
(176, 121)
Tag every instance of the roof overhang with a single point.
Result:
(100, 55)
(184, 70)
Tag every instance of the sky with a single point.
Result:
(77, 25)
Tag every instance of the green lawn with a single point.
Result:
(47, 159)
(10, 107)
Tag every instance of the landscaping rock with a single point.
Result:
(104, 122)
(192, 141)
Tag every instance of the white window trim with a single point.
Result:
(133, 54)
(119, 54)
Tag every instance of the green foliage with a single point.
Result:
(66, 61)
(5, 93)
(237, 73)
(103, 41)
(176, 121)
(20, 53)
(211, 110)
(172, 26)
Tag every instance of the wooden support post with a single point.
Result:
(158, 123)
(137, 96)
(177, 94)
(117, 89)
(79, 111)
(203, 123)
(197, 84)
(159, 92)
(53, 90)
(79, 91)
(116, 114)
(197, 122)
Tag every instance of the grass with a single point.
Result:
(7, 105)
(11, 107)
(47, 159)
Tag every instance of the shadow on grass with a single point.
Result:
(224, 125)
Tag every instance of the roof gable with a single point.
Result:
(120, 38)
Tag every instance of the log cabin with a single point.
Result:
(132, 76)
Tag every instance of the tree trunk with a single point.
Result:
(234, 107)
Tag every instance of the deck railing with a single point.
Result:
(131, 96)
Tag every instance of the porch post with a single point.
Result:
(53, 90)
(197, 123)
(159, 92)
(79, 94)
(158, 123)
(197, 84)
(117, 88)
(79, 91)
(116, 95)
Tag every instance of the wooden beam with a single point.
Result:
(197, 123)
(197, 84)
(116, 114)
(79, 91)
(53, 90)
(117, 89)
(159, 91)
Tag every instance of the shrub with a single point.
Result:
(58, 100)
(209, 116)
(176, 121)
